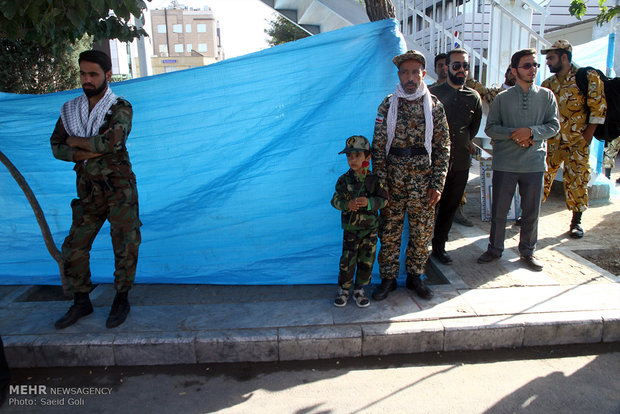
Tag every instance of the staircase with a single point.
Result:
(487, 29)
(490, 30)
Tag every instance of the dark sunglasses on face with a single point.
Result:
(457, 66)
(528, 66)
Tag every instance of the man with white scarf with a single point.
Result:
(92, 132)
(410, 154)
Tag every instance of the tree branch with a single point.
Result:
(38, 212)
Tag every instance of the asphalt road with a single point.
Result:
(571, 379)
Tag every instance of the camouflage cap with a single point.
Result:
(356, 143)
(559, 45)
(410, 55)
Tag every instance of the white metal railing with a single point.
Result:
(485, 28)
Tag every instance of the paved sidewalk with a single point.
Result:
(488, 306)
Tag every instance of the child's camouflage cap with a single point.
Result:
(356, 143)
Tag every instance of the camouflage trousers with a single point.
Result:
(576, 173)
(98, 202)
(358, 249)
(406, 196)
(611, 152)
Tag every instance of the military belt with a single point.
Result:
(407, 152)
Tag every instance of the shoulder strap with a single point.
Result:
(582, 80)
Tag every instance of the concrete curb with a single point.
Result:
(312, 342)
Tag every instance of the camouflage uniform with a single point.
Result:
(106, 189)
(407, 179)
(611, 152)
(359, 243)
(568, 145)
(487, 94)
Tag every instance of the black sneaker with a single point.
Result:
(342, 298)
(360, 298)
(576, 232)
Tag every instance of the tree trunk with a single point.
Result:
(380, 10)
(36, 208)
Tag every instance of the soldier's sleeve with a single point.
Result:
(339, 200)
(476, 119)
(58, 141)
(440, 156)
(487, 94)
(378, 197)
(596, 98)
(118, 129)
(379, 140)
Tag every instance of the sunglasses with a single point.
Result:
(458, 65)
(528, 66)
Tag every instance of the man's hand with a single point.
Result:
(433, 196)
(588, 133)
(522, 136)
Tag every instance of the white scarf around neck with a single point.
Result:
(77, 119)
(422, 90)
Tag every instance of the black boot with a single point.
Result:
(439, 252)
(386, 286)
(608, 173)
(576, 232)
(81, 307)
(415, 283)
(120, 310)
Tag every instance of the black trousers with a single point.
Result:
(448, 204)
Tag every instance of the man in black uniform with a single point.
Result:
(463, 108)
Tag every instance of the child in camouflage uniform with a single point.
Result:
(359, 196)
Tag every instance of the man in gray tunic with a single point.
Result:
(520, 121)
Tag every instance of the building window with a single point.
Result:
(177, 28)
(161, 28)
(188, 28)
(163, 48)
(178, 48)
(201, 28)
(202, 47)
(188, 48)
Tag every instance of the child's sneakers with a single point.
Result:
(360, 298)
(342, 298)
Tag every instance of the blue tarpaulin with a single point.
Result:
(236, 164)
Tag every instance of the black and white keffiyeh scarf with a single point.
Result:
(422, 91)
(78, 121)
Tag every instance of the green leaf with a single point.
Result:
(8, 10)
(577, 8)
(75, 18)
